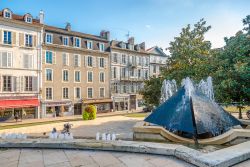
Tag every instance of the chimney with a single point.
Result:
(68, 27)
(131, 40)
(41, 17)
(143, 46)
(105, 34)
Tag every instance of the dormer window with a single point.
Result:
(123, 45)
(89, 45)
(28, 19)
(102, 47)
(7, 14)
(77, 42)
(49, 38)
(65, 41)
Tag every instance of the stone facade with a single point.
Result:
(19, 65)
(157, 60)
(75, 71)
(129, 68)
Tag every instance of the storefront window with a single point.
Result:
(140, 103)
(49, 110)
(103, 107)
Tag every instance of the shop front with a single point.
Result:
(102, 105)
(57, 108)
(121, 103)
(21, 107)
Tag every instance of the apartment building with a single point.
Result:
(157, 60)
(19, 65)
(75, 69)
(129, 68)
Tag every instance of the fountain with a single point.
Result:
(189, 115)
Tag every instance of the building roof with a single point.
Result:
(139, 48)
(157, 51)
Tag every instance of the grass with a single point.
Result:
(235, 109)
(137, 115)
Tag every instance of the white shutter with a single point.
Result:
(34, 83)
(118, 73)
(18, 84)
(54, 57)
(105, 62)
(31, 61)
(86, 61)
(98, 60)
(13, 83)
(94, 61)
(10, 59)
(112, 72)
(22, 83)
(79, 60)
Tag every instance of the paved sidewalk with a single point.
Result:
(76, 158)
(60, 119)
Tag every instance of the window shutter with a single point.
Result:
(18, 84)
(1, 80)
(34, 40)
(54, 57)
(9, 59)
(43, 57)
(13, 83)
(22, 83)
(25, 61)
(1, 36)
(94, 61)
(34, 83)
(118, 58)
(118, 73)
(112, 72)
(31, 61)
(21, 39)
(13, 38)
(79, 60)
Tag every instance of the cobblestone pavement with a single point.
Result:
(77, 158)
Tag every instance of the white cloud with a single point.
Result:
(148, 26)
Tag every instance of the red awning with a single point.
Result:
(19, 103)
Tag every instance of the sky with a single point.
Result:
(155, 22)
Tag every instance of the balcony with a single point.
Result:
(28, 45)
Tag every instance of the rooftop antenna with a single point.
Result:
(127, 35)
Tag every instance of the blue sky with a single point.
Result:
(156, 22)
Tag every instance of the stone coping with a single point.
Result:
(230, 135)
(224, 157)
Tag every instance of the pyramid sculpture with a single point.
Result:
(192, 110)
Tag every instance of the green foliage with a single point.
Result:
(192, 56)
(189, 54)
(151, 92)
(89, 112)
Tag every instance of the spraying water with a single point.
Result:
(168, 89)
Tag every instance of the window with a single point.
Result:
(139, 73)
(90, 61)
(147, 61)
(124, 59)
(77, 76)
(115, 57)
(116, 88)
(28, 83)
(123, 72)
(49, 75)
(90, 76)
(49, 38)
(114, 72)
(7, 83)
(49, 93)
(154, 68)
(102, 92)
(65, 75)
(77, 93)
(132, 72)
(27, 61)
(49, 57)
(101, 77)
(65, 93)
(77, 60)
(7, 37)
(102, 47)
(7, 14)
(6, 59)
(65, 57)
(28, 40)
(65, 41)
(101, 62)
(77, 42)
(89, 45)
(140, 61)
(90, 92)
(28, 19)
(146, 74)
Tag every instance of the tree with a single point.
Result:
(190, 54)
(152, 91)
(232, 75)
(189, 57)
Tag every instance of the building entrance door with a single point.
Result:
(132, 102)
(57, 109)
(78, 109)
